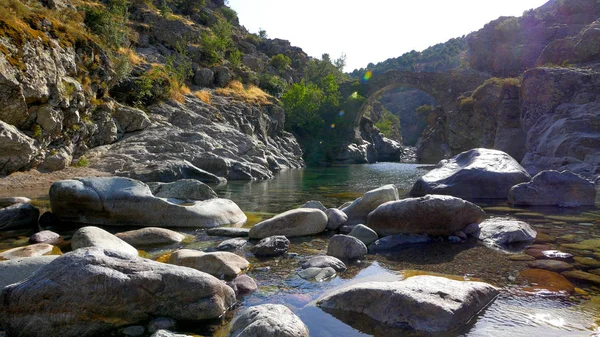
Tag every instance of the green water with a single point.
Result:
(515, 312)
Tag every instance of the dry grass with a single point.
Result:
(178, 93)
(252, 94)
(134, 59)
(203, 95)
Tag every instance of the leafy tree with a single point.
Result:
(302, 103)
(389, 125)
(262, 33)
(190, 7)
(281, 62)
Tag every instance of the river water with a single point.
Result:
(518, 311)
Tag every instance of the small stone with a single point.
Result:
(364, 234)
(536, 253)
(581, 275)
(472, 229)
(557, 255)
(521, 257)
(161, 323)
(167, 333)
(346, 247)
(587, 261)
(314, 204)
(271, 246)
(461, 235)
(454, 239)
(243, 285)
(324, 261)
(44, 237)
(134, 330)
(398, 241)
(552, 265)
(232, 244)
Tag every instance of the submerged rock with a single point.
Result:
(324, 261)
(219, 264)
(317, 274)
(547, 280)
(268, 320)
(552, 265)
(431, 214)
(553, 188)
(19, 215)
(346, 247)
(474, 174)
(228, 231)
(423, 303)
(398, 241)
(132, 290)
(358, 210)
(123, 201)
(295, 222)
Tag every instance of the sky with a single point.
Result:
(373, 30)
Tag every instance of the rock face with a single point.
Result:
(218, 264)
(474, 174)
(359, 209)
(123, 201)
(296, 222)
(431, 214)
(17, 151)
(553, 188)
(228, 138)
(97, 237)
(268, 320)
(133, 290)
(423, 303)
(560, 114)
(19, 215)
(502, 232)
(346, 247)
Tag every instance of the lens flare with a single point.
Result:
(341, 114)
(333, 126)
(367, 75)
(355, 94)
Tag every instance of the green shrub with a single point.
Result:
(280, 62)
(215, 43)
(424, 109)
(37, 132)
(154, 85)
(190, 7)
(82, 162)
(235, 57)
(389, 125)
(467, 104)
(229, 14)
(273, 85)
(108, 23)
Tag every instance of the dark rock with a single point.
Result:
(161, 323)
(125, 297)
(222, 76)
(431, 214)
(204, 77)
(474, 174)
(346, 247)
(19, 215)
(364, 234)
(49, 219)
(271, 246)
(232, 244)
(553, 188)
(228, 231)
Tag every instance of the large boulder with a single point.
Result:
(295, 222)
(184, 189)
(424, 303)
(17, 151)
(345, 247)
(91, 236)
(359, 209)
(97, 290)
(218, 264)
(122, 201)
(474, 174)
(501, 232)
(431, 214)
(268, 320)
(553, 188)
(19, 215)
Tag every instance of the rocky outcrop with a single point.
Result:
(553, 188)
(474, 174)
(17, 151)
(432, 146)
(431, 214)
(132, 290)
(295, 222)
(423, 303)
(268, 320)
(123, 201)
(581, 48)
(560, 114)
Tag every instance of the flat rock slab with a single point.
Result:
(474, 174)
(268, 320)
(553, 188)
(317, 274)
(423, 303)
(37, 249)
(431, 214)
(295, 222)
(123, 201)
(97, 290)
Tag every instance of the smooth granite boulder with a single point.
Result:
(91, 236)
(123, 201)
(295, 222)
(474, 174)
(44, 236)
(360, 208)
(423, 303)
(218, 264)
(92, 291)
(431, 214)
(553, 188)
(335, 218)
(184, 189)
(500, 232)
(150, 236)
(13, 271)
(346, 247)
(364, 234)
(268, 320)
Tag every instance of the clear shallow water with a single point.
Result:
(514, 312)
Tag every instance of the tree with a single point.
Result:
(302, 103)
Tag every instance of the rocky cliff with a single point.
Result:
(154, 90)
